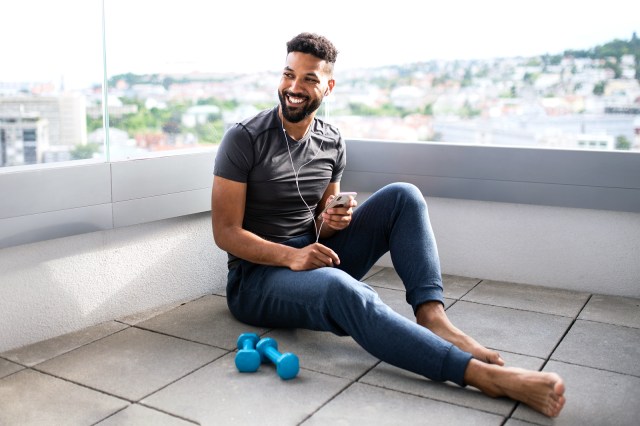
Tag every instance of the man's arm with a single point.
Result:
(228, 200)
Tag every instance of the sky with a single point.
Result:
(48, 40)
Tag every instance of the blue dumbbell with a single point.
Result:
(287, 365)
(248, 359)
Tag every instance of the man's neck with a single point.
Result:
(296, 130)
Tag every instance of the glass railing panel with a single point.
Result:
(50, 82)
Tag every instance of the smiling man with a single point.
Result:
(292, 266)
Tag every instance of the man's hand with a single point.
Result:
(338, 218)
(313, 256)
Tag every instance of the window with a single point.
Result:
(179, 73)
(51, 71)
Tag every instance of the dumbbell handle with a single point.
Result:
(273, 354)
(247, 345)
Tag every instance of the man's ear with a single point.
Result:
(329, 89)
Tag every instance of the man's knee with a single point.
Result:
(340, 287)
(407, 193)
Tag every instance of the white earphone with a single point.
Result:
(297, 173)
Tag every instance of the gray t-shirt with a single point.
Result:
(255, 152)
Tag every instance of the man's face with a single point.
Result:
(305, 82)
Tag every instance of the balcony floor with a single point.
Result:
(175, 366)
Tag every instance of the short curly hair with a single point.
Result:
(315, 45)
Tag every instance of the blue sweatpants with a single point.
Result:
(395, 219)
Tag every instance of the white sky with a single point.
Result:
(47, 39)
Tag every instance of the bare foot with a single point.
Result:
(544, 392)
(432, 316)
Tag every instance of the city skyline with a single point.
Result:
(205, 37)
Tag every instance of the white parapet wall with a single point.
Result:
(83, 244)
(593, 251)
(57, 286)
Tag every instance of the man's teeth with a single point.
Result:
(295, 100)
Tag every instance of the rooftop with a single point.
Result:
(175, 366)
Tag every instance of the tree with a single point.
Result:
(598, 89)
(93, 123)
(83, 152)
(623, 143)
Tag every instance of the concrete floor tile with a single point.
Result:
(148, 314)
(389, 377)
(8, 367)
(612, 310)
(363, 404)
(206, 320)
(32, 398)
(604, 346)
(36, 353)
(219, 394)
(385, 278)
(139, 415)
(516, 422)
(396, 301)
(454, 286)
(522, 332)
(528, 298)
(374, 270)
(594, 397)
(132, 363)
(325, 352)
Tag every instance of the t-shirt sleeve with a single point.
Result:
(341, 162)
(234, 158)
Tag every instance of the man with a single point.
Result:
(292, 266)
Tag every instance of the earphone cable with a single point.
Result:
(296, 174)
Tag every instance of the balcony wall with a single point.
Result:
(125, 237)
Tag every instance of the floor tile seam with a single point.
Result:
(355, 379)
(375, 273)
(182, 377)
(15, 372)
(546, 359)
(132, 401)
(26, 365)
(519, 309)
(347, 385)
(324, 373)
(110, 415)
(386, 288)
(170, 307)
(566, 332)
(608, 323)
(480, 281)
(13, 362)
(434, 398)
(83, 385)
(151, 407)
(122, 320)
(591, 367)
(526, 422)
(182, 338)
(324, 404)
(512, 352)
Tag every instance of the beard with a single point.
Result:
(298, 114)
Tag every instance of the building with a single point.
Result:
(64, 119)
(23, 139)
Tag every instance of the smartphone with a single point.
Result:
(339, 200)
